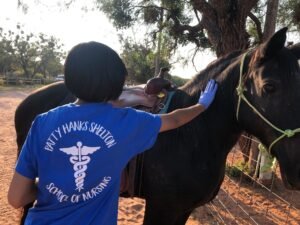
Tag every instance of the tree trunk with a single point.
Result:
(233, 36)
(270, 22)
(225, 23)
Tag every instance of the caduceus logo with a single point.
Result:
(80, 159)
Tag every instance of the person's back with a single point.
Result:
(79, 155)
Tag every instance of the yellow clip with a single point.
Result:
(160, 95)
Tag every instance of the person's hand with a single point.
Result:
(207, 96)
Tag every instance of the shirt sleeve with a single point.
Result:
(145, 131)
(26, 163)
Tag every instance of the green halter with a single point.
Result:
(240, 92)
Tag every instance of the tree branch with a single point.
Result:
(247, 5)
(193, 58)
(180, 29)
(203, 6)
(258, 25)
(196, 14)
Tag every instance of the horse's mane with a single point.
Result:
(212, 70)
(289, 68)
(189, 93)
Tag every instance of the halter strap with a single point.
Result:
(240, 92)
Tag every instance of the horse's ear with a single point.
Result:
(274, 44)
(296, 50)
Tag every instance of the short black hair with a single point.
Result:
(94, 72)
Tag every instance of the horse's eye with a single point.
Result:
(269, 88)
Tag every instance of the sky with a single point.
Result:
(74, 25)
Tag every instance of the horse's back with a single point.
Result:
(38, 102)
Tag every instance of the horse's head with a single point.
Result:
(269, 105)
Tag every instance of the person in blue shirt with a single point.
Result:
(78, 150)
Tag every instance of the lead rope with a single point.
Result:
(240, 92)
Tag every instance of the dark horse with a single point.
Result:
(186, 166)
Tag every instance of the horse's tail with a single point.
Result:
(25, 212)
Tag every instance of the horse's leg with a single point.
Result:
(181, 220)
(25, 212)
(159, 214)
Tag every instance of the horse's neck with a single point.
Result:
(226, 106)
(220, 116)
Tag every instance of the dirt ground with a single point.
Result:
(240, 201)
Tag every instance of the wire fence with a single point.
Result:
(243, 199)
(20, 80)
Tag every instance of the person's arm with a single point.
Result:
(22, 191)
(180, 117)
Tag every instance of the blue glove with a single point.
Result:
(207, 96)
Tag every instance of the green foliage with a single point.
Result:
(120, 12)
(38, 76)
(259, 11)
(139, 60)
(151, 14)
(237, 169)
(289, 14)
(17, 73)
(127, 13)
(185, 22)
(6, 58)
(252, 31)
(233, 171)
(178, 81)
(29, 53)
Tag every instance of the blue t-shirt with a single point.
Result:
(78, 153)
